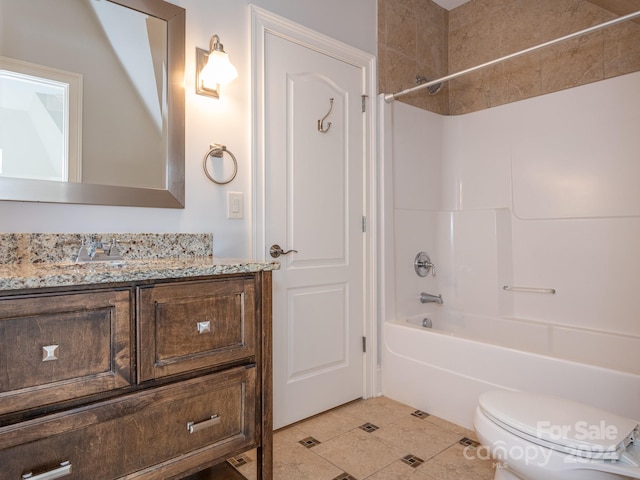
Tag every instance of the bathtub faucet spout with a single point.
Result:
(428, 298)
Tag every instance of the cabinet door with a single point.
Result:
(58, 347)
(154, 434)
(192, 325)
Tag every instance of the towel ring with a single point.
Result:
(217, 151)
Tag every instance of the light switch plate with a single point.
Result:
(235, 205)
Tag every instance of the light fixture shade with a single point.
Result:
(218, 70)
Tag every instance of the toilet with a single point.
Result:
(536, 437)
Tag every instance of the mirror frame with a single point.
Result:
(17, 189)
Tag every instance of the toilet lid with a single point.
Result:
(561, 424)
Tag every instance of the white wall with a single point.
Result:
(226, 121)
(539, 193)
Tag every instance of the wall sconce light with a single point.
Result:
(213, 69)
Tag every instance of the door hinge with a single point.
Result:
(364, 344)
(364, 224)
(364, 103)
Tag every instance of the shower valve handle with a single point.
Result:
(422, 264)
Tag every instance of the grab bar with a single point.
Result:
(508, 288)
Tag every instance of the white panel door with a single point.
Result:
(314, 203)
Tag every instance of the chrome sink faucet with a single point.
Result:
(99, 251)
(428, 298)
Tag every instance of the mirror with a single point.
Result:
(92, 102)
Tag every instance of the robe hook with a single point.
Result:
(321, 128)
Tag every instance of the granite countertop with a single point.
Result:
(38, 275)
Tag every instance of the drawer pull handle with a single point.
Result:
(62, 471)
(204, 327)
(49, 352)
(195, 427)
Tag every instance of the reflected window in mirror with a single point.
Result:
(39, 122)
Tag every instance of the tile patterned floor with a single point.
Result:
(375, 439)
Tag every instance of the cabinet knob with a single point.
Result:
(49, 353)
(204, 327)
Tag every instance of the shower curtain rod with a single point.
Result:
(390, 97)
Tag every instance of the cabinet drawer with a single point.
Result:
(194, 325)
(152, 434)
(60, 347)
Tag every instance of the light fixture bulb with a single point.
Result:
(213, 69)
(219, 70)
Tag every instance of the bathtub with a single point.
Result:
(442, 370)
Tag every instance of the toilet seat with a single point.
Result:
(562, 425)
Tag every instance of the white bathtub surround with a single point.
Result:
(444, 374)
(616, 352)
(539, 193)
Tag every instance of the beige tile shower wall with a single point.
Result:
(419, 37)
(412, 40)
(483, 30)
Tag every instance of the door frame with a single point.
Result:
(264, 22)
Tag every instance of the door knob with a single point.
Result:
(275, 251)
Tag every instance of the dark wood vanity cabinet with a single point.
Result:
(56, 347)
(157, 380)
(182, 327)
